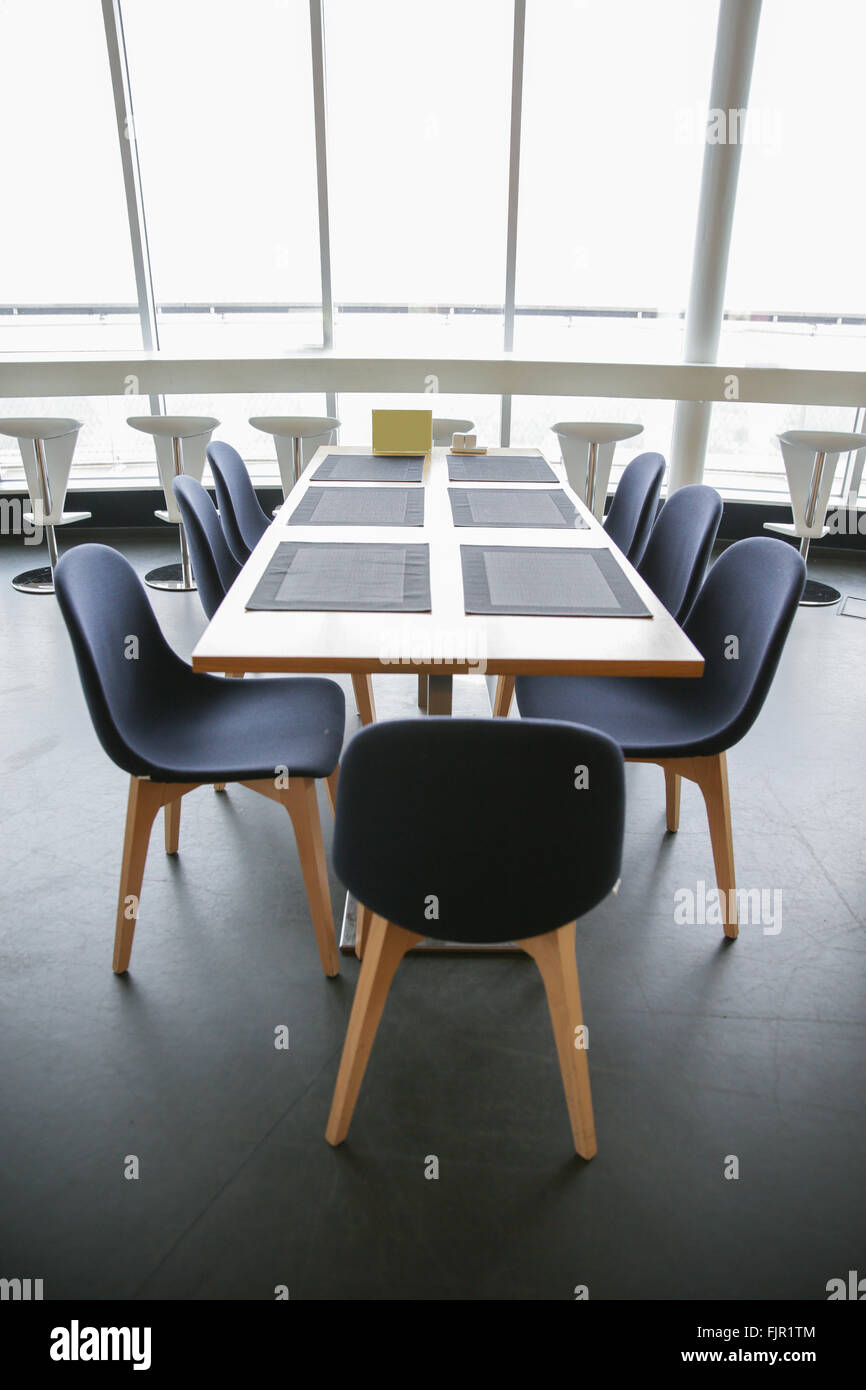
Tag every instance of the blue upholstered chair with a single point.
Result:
(213, 564)
(739, 622)
(633, 507)
(678, 551)
(674, 562)
(477, 831)
(173, 729)
(243, 523)
(242, 519)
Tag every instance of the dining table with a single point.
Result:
(371, 586)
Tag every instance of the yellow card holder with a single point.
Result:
(402, 431)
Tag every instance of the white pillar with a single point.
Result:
(736, 40)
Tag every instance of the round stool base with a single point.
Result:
(39, 581)
(817, 595)
(168, 577)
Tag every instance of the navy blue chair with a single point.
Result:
(213, 565)
(633, 508)
(243, 523)
(475, 831)
(173, 729)
(739, 622)
(678, 551)
(241, 517)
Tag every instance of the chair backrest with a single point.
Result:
(213, 564)
(131, 676)
(242, 519)
(479, 830)
(739, 623)
(632, 511)
(678, 550)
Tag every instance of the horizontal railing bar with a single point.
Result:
(758, 316)
(314, 371)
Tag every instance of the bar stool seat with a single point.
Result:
(288, 432)
(444, 428)
(587, 453)
(810, 458)
(169, 433)
(47, 444)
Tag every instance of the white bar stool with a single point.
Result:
(444, 429)
(47, 445)
(172, 459)
(288, 433)
(587, 452)
(810, 462)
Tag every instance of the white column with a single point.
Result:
(317, 44)
(518, 42)
(736, 40)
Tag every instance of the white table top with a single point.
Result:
(446, 640)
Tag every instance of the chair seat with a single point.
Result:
(173, 426)
(245, 730)
(646, 716)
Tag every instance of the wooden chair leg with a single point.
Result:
(503, 697)
(145, 800)
(422, 691)
(673, 785)
(237, 676)
(363, 687)
(331, 789)
(553, 953)
(301, 804)
(711, 775)
(363, 918)
(172, 825)
(386, 947)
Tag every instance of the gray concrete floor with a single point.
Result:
(699, 1050)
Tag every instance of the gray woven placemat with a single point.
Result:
(337, 576)
(547, 580)
(491, 468)
(360, 506)
(549, 508)
(368, 468)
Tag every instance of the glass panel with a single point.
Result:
(609, 176)
(223, 114)
(795, 277)
(796, 295)
(418, 129)
(66, 274)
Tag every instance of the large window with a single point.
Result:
(411, 151)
